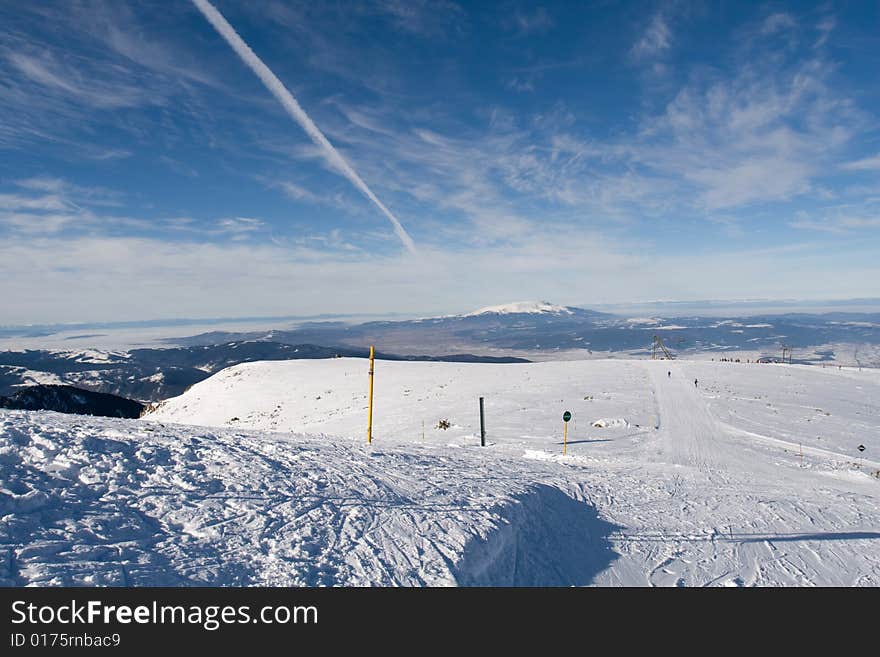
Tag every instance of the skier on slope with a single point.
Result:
(669, 374)
(695, 383)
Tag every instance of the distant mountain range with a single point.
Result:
(544, 327)
(515, 326)
(511, 332)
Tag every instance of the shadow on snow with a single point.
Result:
(544, 538)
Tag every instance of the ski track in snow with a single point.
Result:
(705, 487)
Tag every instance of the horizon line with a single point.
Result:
(195, 321)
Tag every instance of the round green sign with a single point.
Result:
(566, 416)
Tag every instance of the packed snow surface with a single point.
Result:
(721, 474)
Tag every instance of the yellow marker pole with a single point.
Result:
(370, 416)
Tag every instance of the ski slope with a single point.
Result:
(260, 475)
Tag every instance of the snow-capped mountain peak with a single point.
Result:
(522, 307)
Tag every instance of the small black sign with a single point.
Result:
(566, 416)
(861, 448)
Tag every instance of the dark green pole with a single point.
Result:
(482, 425)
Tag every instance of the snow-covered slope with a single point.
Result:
(522, 307)
(707, 484)
(330, 396)
(828, 409)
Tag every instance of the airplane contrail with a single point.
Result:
(277, 88)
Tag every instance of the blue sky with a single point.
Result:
(582, 152)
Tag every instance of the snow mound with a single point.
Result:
(522, 307)
(610, 423)
(107, 502)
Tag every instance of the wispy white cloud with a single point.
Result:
(521, 84)
(765, 134)
(423, 17)
(299, 193)
(240, 225)
(126, 40)
(765, 130)
(838, 223)
(17, 202)
(865, 164)
(656, 38)
(51, 206)
(59, 77)
(107, 153)
(94, 195)
(778, 22)
(525, 22)
(331, 199)
(37, 223)
(87, 64)
(45, 205)
(824, 27)
(836, 227)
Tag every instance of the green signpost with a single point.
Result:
(565, 418)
